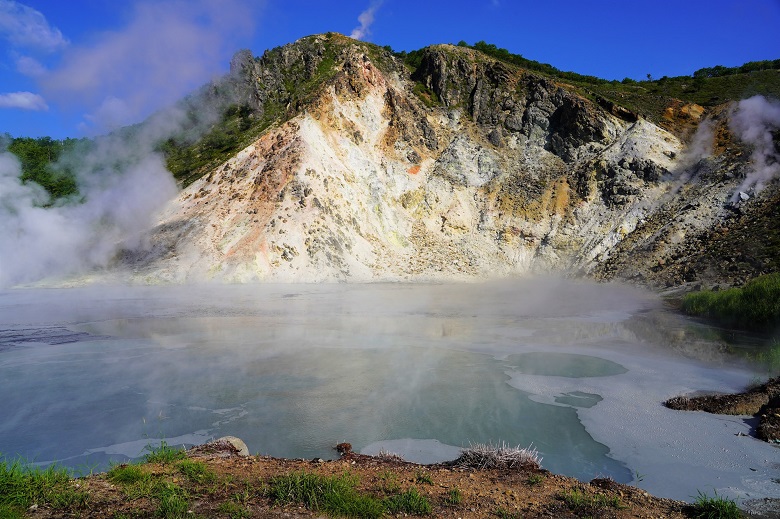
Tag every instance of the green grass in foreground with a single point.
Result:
(715, 507)
(338, 495)
(164, 454)
(755, 307)
(22, 486)
(579, 501)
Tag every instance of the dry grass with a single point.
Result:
(489, 456)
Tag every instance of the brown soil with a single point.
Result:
(239, 490)
(761, 401)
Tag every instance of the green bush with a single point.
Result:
(756, 306)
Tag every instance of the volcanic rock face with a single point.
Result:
(470, 168)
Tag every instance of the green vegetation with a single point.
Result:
(334, 495)
(38, 156)
(650, 98)
(505, 514)
(164, 454)
(22, 486)
(409, 502)
(233, 510)
(534, 479)
(173, 502)
(125, 474)
(196, 471)
(424, 477)
(338, 495)
(770, 357)
(454, 497)
(755, 306)
(715, 507)
(582, 502)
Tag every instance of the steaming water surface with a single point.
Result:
(91, 375)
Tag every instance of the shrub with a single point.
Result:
(756, 306)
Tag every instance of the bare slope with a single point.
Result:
(465, 168)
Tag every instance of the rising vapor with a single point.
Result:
(755, 121)
(119, 203)
(366, 19)
(166, 50)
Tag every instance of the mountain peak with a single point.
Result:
(363, 164)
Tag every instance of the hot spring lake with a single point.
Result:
(90, 376)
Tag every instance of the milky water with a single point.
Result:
(578, 371)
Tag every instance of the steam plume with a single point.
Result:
(167, 49)
(366, 19)
(754, 121)
(38, 241)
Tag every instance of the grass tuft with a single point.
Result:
(454, 497)
(582, 502)
(164, 454)
(534, 479)
(22, 486)
(481, 456)
(715, 507)
(125, 474)
(335, 495)
(173, 502)
(196, 471)
(409, 502)
(423, 477)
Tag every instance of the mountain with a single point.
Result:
(341, 161)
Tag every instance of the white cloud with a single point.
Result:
(24, 101)
(366, 19)
(25, 27)
(167, 49)
(30, 66)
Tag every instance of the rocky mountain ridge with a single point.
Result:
(465, 167)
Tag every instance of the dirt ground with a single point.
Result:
(238, 487)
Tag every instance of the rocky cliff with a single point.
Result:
(464, 167)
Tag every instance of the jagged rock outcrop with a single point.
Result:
(468, 168)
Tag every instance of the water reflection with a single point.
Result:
(293, 370)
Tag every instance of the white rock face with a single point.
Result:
(355, 189)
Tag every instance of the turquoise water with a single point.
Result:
(91, 376)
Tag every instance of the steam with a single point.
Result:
(166, 50)
(754, 121)
(366, 19)
(118, 203)
(24, 101)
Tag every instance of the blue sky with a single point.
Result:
(81, 67)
